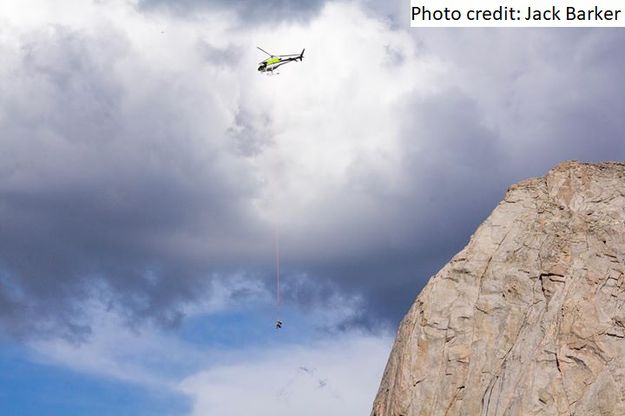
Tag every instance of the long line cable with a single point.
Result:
(276, 177)
(277, 249)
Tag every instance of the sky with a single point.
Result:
(147, 168)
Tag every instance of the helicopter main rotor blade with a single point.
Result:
(264, 51)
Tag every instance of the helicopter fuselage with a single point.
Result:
(268, 65)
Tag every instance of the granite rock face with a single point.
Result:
(529, 318)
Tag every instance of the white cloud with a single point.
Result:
(144, 356)
(335, 377)
(337, 374)
(317, 141)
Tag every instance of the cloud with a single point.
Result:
(550, 98)
(248, 10)
(107, 176)
(144, 158)
(154, 177)
(278, 372)
(312, 380)
(149, 355)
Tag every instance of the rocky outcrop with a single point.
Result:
(529, 318)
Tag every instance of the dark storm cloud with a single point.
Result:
(450, 182)
(511, 109)
(137, 193)
(248, 10)
(105, 195)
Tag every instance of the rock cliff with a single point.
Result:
(529, 318)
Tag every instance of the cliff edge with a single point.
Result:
(529, 318)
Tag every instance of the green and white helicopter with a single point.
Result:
(275, 61)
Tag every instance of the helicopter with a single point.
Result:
(275, 61)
